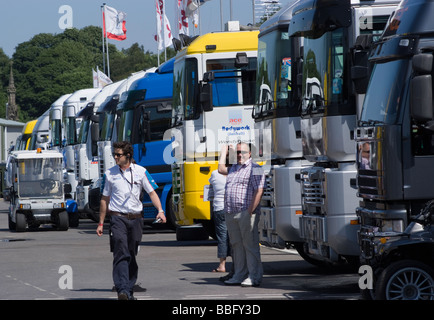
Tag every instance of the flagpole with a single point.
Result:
(163, 14)
(158, 34)
(103, 43)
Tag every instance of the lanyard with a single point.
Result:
(129, 182)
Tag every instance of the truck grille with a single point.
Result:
(268, 196)
(367, 180)
(101, 167)
(312, 186)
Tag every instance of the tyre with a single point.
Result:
(170, 215)
(191, 233)
(21, 223)
(12, 225)
(406, 280)
(63, 221)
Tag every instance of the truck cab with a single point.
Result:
(213, 97)
(330, 105)
(395, 153)
(71, 125)
(86, 149)
(146, 116)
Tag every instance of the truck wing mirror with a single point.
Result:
(146, 125)
(67, 188)
(94, 132)
(422, 63)
(360, 70)
(421, 104)
(206, 97)
(241, 60)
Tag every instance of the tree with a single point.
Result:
(51, 65)
(4, 82)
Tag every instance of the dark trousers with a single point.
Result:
(125, 237)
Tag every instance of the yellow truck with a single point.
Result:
(213, 96)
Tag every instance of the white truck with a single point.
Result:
(77, 101)
(86, 149)
(38, 191)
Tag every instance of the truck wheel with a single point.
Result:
(406, 280)
(63, 221)
(170, 215)
(21, 223)
(191, 233)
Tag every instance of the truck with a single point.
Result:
(38, 191)
(336, 34)
(277, 123)
(23, 140)
(146, 117)
(55, 123)
(70, 124)
(86, 150)
(213, 96)
(108, 114)
(41, 134)
(395, 152)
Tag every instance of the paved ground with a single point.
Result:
(36, 264)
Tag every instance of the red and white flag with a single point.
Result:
(163, 29)
(182, 17)
(114, 24)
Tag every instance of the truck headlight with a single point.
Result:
(392, 225)
(59, 205)
(25, 206)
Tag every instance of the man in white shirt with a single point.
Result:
(122, 185)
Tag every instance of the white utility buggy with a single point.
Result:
(37, 191)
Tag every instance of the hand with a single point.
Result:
(161, 216)
(99, 230)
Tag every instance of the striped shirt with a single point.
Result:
(124, 188)
(241, 184)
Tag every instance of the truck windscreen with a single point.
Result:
(385, 93)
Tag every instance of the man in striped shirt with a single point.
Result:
(244, 188)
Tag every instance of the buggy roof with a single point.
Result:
(33, 154)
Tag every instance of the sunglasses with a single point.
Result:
(118, 155)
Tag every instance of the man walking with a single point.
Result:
(122, 185)
(244, 188)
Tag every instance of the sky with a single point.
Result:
(22, 19)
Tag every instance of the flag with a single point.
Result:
(114, 24)
(159, 37)
(167, 32)
(163, 30)
(100, 79)
(182, 18)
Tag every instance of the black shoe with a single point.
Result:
(138, 288)
(123, 296)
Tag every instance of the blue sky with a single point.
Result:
(22, 19)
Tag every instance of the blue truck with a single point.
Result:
(143, 117)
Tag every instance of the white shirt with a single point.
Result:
(124, 188)
(218, 182)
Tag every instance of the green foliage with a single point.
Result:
(51, 65)
(4, 82)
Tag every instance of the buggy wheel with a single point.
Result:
(21, 223)
(63, 221)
